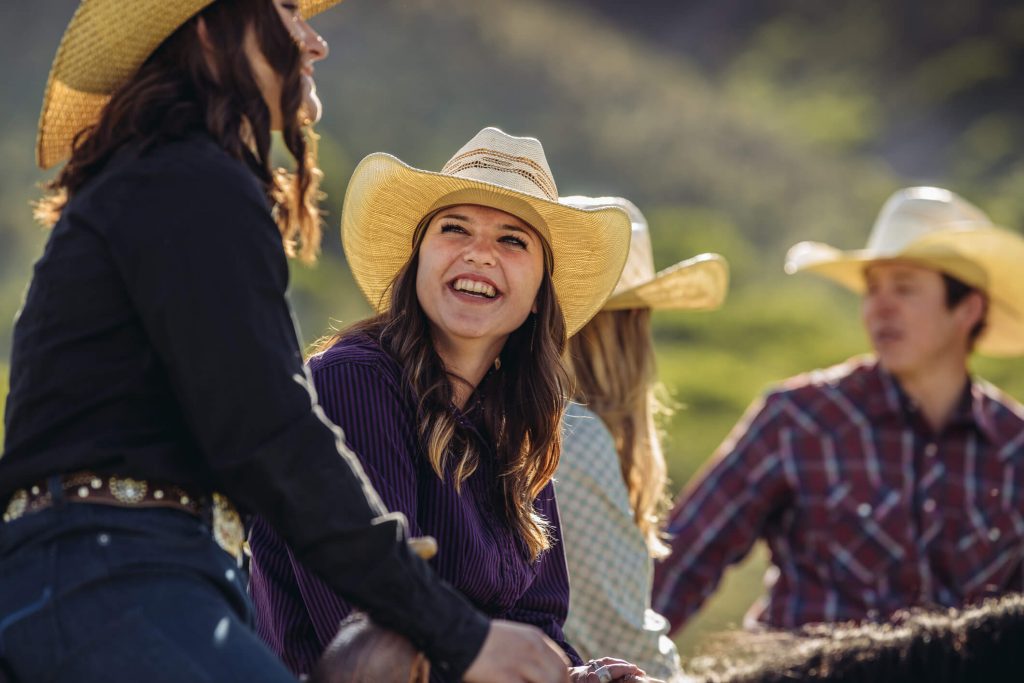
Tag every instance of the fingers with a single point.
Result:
(608, 669)
(517, 653)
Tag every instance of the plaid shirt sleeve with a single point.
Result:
(722, 512)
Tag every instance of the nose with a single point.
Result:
(479, 252)
(313, 43)
(878, 303)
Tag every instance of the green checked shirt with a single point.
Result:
(610, 571)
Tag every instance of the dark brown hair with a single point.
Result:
(182, 88)
(521, 403)
(957, 291)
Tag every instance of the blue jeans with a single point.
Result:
(100, 593)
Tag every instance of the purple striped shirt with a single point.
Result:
(864, 508)
(361, 389)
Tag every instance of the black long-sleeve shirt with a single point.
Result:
(156, 342)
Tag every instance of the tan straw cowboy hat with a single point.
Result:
(105, 43)
(698, 283)
(387, 199)
(937, 229)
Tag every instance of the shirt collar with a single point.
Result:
(884, 397)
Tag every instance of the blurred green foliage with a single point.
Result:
(738, 128)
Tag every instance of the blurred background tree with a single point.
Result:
(738, 127)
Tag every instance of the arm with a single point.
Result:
(608, 559)
(722, 513)
(546, 602)
(202, 260)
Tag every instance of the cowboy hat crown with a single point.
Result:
(387, 199)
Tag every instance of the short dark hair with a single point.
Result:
(957, 291)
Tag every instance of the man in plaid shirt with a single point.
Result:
(884, 482)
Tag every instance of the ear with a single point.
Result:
(533, 308)
(972, 309)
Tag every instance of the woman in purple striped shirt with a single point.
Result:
(453, 393)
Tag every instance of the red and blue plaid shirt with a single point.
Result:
(864, 508)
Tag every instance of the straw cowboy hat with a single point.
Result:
(937, 229)
(105, 43)
(387, 199)
(698, 283)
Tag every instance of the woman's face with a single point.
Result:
(314, 48)
(479, 273)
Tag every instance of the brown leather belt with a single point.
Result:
(91, 488)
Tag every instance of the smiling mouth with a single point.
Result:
(474, 288)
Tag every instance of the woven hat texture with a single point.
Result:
(698, 283)
(387, 199)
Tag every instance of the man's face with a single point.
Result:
(905, 314)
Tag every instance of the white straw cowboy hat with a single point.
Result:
(940, 230)
(387, 199)
(698, 283)
(105, 43)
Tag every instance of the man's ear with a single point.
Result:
(973, 308)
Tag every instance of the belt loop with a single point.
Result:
(55, 485)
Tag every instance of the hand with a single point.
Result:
(517, 653)
(607, 670)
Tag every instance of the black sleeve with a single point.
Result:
(203, 262)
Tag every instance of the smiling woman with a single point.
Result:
(453, 394)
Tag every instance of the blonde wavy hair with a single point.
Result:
(612, 363)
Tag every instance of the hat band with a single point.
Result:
(462, 166)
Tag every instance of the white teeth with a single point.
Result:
(475, 287)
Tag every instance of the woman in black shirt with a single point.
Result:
(156, 381)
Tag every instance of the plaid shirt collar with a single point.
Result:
(883, 398)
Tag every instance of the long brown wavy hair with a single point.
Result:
(521, 402)
(182, 88)
(612, 363)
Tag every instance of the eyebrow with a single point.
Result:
(504, 226)
(514, 228)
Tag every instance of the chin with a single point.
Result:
(311, 105)
(311, 111)
(894, 364)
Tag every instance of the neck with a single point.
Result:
(936, 391)
(467, 361)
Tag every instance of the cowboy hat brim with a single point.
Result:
(985, 258)
(104, 44)
(386, 199)
(698, 283)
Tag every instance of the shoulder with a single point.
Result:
(1004, 414)
(821, 398)
(854, 381)
(191, 175)
(355, 350)
(852, 378)
(586, 442)
(358, 358)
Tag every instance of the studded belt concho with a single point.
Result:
(88, 487)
